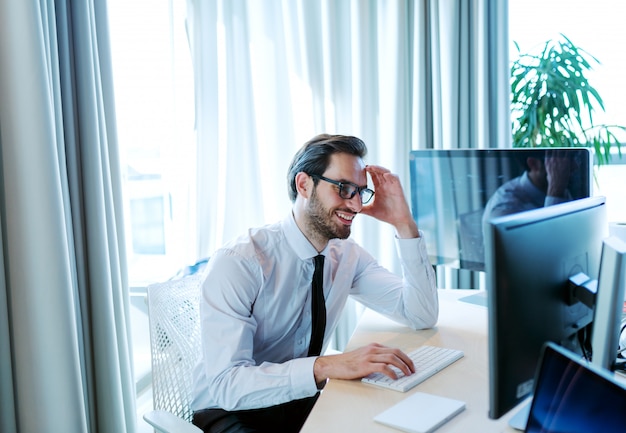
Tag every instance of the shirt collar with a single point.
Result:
(536, 195)
(296, 239)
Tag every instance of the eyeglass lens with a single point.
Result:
(347, 191)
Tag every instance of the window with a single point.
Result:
(155, 124)
(147, 225)
(154, 103)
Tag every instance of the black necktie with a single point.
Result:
(318, 308)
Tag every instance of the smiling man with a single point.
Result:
(272, 298)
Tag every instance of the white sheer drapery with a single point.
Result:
(398, 74)
(461, 92)
(64, 298)
(461, 75)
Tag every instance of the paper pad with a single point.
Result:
(420, 413)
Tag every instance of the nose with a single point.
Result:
(354, 203)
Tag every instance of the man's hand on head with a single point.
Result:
(389, 203)
(558, 171)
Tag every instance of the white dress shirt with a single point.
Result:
(255, 311)
(517, 195)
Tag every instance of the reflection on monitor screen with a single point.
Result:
(530, 257)
(454, 191)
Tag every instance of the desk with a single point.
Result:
(349, 405)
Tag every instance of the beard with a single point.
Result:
(321, 221)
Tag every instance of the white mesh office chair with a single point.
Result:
(175, 348)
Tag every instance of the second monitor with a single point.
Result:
(530, 259)
(453, 191)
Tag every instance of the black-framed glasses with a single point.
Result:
(347, 190)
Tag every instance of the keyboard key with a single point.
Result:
(428, 360)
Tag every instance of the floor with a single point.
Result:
(144, 404)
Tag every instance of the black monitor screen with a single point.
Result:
(572, 396)
(530, 257)
(450, 190)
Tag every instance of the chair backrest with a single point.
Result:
(174, 342)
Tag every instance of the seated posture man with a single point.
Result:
(544, 183)
(264, 325)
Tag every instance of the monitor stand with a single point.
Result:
(479, 298)
(519, 420)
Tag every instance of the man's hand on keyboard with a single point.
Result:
(358, 363)
(427, 361)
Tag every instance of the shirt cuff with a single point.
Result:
(552, 200)
(302, 377)
(412, 248)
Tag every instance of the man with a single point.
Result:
(544, 183)
(261, 368)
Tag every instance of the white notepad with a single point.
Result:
(420, 413)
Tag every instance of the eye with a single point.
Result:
(348, 190)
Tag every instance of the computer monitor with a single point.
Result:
(574, 396)
(451, 188)
(530, 257)
(609, 303)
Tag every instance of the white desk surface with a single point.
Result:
(349, 405)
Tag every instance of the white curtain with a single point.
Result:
(461, 95)
(398, 74)
(64, 322)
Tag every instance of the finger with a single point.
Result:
(376, 169)
(377, 173)
(404, 363)
(388, 371)
(399, 360)
(386, 182)
(375, 179)
(407, 361)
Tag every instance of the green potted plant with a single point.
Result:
(553, 102)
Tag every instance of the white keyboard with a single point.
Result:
(428, 360)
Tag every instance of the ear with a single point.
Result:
(304, 184)
(534, 163)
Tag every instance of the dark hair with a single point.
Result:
(314, 156)
(538, 154)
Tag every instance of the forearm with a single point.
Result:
(420, 297)
(552, 200)
(412, 299)
(250, 387)
(407, 229)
